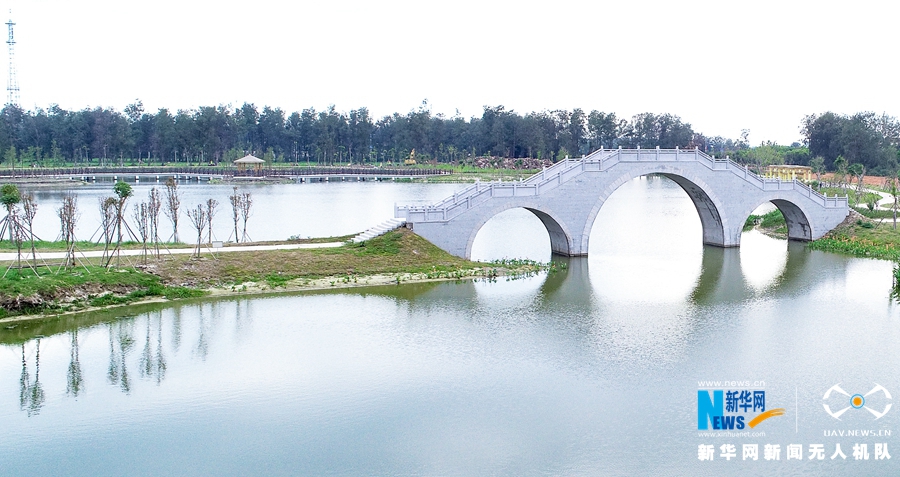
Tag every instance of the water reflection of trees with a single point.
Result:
(75, 379)
(202, 348)
(121, 341)
(129, 357)
(31, 394)
(176, 328)
(153, 361)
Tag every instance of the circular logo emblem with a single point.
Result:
(879, 396)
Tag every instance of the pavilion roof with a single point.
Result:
(249, 159)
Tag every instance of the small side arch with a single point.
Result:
(797, 220)
(560, 236)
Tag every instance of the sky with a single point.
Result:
(721, 66)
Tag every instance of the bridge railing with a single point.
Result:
(742, 171)
(600, 160)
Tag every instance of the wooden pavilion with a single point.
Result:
(249, 163)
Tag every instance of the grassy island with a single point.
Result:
(395, 257)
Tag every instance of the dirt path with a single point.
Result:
(10, 256)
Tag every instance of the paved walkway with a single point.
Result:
(886, 201)
(237, 248)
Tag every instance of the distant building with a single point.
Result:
(249, 163)
(786, 172)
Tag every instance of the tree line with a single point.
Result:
(216, 134)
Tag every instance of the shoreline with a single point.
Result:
(250, 289)
(396, 257)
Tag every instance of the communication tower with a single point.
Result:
(12, 85)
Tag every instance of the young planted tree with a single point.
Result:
(68, 217)
(18, 235)
(29, 210)
(211, 205)
(840, 171)
(123, 191)
(141, 215)
(9, 197)
(198, 220)
(154, 205)
(246, 203)
(818, 167)
(859, 171)
(235, 198)
(893, 186)
(107, 221)
(173, 204)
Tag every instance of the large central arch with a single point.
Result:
(705, 201)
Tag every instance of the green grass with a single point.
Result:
(22, 291)
(396, 252)
(855, 200)
(862, 239)
(83, 245)
(770, 220)
(875, 214)
(484, 175)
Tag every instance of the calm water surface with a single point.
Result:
(590, 371)
(278, 211)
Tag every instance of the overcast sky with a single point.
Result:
(722, 66)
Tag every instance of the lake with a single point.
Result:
(602, 368)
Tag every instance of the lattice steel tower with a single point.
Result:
(12, 85)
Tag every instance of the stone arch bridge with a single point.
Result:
(567, 197)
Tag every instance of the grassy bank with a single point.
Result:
(862, 238)
(86, 246)
(399, 253)
(858, 236)
(395, 257)
(53, 290)
(394, 252)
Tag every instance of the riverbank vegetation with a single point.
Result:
(400, 254)
(856, 198)
(395, 257)
(47, 289)
(771, 223)
(861, 237)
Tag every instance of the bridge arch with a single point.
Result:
(796, 218)
(569, 195)
(560, 235)
(705, 200)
